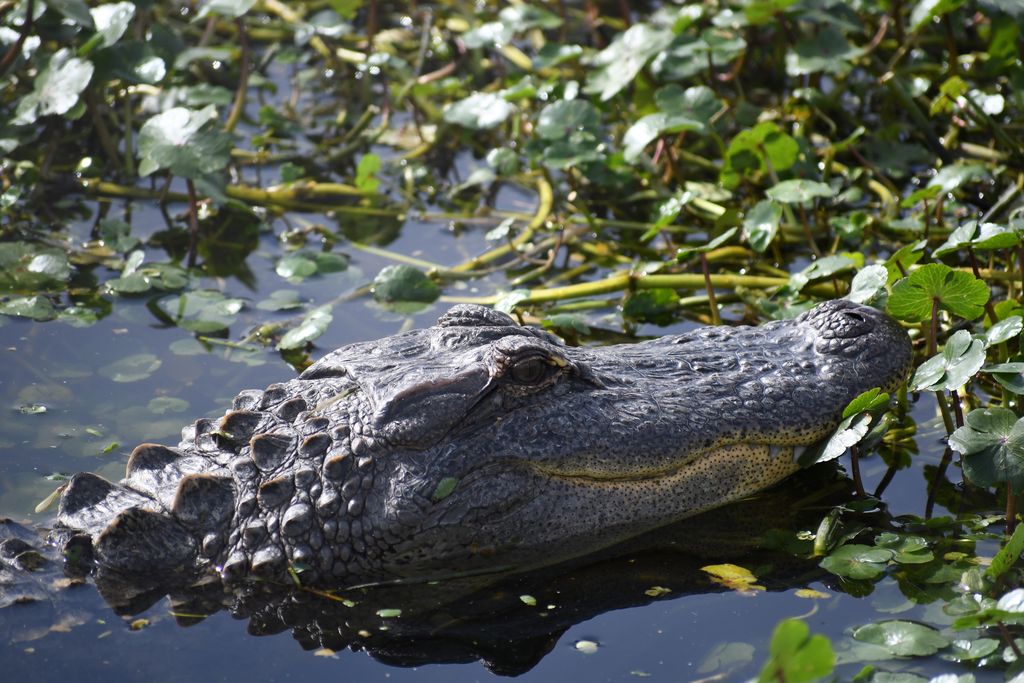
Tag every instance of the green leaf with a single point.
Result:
(620, 62)
(926, 10)
(799, 191)
(686, 252)
(992, 443)
(203, 311)
(965, 650)
(958, 292)
(1004, 330)
(979, 236)
(751, 150)
(761, 224)
(1007, 555)
(868, 284)
(961, 358)
(507, 302)
(826, 266)
(1009, 375)
(561, 119)
(132, 368)
(902, 638)
(184, 141)
(795, 656)
(281, 300)
(479, 111)
(679, 110)
(445, 487)
(231, 9)
(112, 20)
(26, 266)
(826, 50)
(951, 177)
(56, 88)
(35, 307)
(404, 283)
(855, 561)
(312, 326)
(656, 306)
(162, 405)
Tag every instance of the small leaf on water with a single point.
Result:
(389, 613)
(902, 638)
(312, 326)
(733, 577)
(404, 283)
(854, 561)
(132, 368)
(528, 600)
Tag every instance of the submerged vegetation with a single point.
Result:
(625, 166)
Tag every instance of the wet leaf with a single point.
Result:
(902, 638)
(958, 292)
(27, 267)
(1009, 375)
(479, 111)
(35, 307)
(965, 650)
(203, 311)
(112, 20)
(1004, 330)
(800, 191)
(620, 62)
(992, 443)
(854, 561)
(389, 613)
(761, 224)
(225, 8)
(132, 368)
(444, 488)
(281, 300)
(184, 141)
(868, 284)
(795, 656)
(311, 327)
(56, 88)
(1008, 554)
(979, 236)
(961, 358)
(404, 283)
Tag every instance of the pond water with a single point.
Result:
(599, 627)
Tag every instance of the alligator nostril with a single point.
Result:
(854, 315)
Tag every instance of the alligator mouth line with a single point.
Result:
(733, 453)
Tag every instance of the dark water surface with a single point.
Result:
(691, 631)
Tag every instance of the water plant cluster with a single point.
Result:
(624, 166)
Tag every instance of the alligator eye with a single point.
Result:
(529, 370)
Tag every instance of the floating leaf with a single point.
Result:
(902, 638)
(960, 359)
(958, 292)
(855, 561)
(162, 405)
(733, 577)
(992, 443)
(132, 368)
(203, 311)
(27, 266)
(979, 236)
(34, 307)
(311, 327)
(404, 283)
(281, 300)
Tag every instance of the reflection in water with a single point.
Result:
(507, 622)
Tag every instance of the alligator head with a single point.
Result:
(479, 444)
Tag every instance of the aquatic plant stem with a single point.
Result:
(858, 483)
(243, 79)
(716, 318)
(193, 223)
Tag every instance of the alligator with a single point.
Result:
(478, 445)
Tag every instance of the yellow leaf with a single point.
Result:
(811, 593)
(733, 577)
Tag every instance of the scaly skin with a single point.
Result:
(478, 444)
